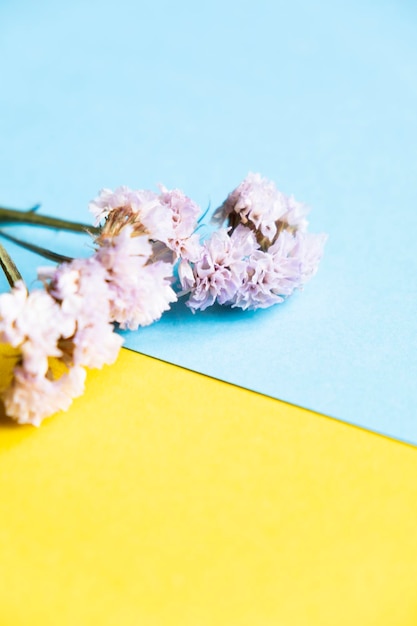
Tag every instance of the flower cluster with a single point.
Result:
(263, 255)
(169, 218)
(147, 253)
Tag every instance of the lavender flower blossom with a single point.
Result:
(258, 204)
(63, 327)
(140, 290)
(169, 218)
(260, 263)
(273, 275)
(263, 255)
(35, 325)
(82, 290)
(140, 209)
(309, 248)
(184, 213)
(30, 398)
(220, 271)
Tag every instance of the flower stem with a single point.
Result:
(31, 217)
(8, 267)
(47, 254)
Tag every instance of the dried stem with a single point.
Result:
(8, 267)
(47, 254)
(13, 216)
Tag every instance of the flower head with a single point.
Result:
(220, 271)
(309, 247)
(169, 218)
(184, 213)
(258, 204)
(30, 398)
(273, 275)
(233, 269)
(33, 323)
(259, 259)
(140, 209)
(82, 290)
(140, 290)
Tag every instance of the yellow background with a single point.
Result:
(166, 498)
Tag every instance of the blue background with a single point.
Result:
(319, 96)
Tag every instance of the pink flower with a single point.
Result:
(219, 273)
(257, 203)
(295, 215)
(12, 307)
(68, 324)
(30, 398)
(34, 323)
(263, 255)
(184, 214)
(122, 199)
(83, 292)
(37, 327)
(140, 291)
(234, 271)
(272, 276)
(169, 217)
(309, 248)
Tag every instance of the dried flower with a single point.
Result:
(281, 256)
(184, 214)
(82, 290)
(30, 398)
(144, 238)
(139, 209)
(140, 290)
(35, 324)
(273, 275)
(169, 218)
(258, 204)
(309, 248)
(219, 273)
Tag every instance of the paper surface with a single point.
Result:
(137, 507)
(318, 97)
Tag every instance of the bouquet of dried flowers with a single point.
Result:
(147, 254)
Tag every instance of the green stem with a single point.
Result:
(47, 254)
(8, 267)
(31, 217)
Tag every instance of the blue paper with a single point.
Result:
(319, 97)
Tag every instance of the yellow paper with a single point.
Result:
(166, 498)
